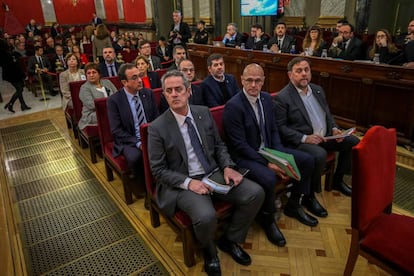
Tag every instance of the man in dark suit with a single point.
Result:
(249, 123)
(59, 56)
(257, 38)
(179, 160)
(109, 67)
(281, 42)
(304, 119)
(219, 87)
(40, 63)
(96, 20)
(145, 50)
(179, 31)
(124, 118)
(346, 45)
(232, 38)
(179, 54)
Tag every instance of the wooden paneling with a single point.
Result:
(358, 93)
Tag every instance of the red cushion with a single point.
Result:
(91, 131)
(119, 161)
(391, 237)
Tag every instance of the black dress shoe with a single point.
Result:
(9, 106)
(26, 108)
(343, 188)
(300, 214)
(212, 266)
(238, 254)
(53, 92)
(274, 235)
(313, 206)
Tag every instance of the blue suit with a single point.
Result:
(244, 139)
(123, 128)
(104, 69)
(212, 93)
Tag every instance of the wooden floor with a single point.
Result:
(320, 250)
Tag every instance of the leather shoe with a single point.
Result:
(9, 106)
(273, 234)
(343, 188)
(26, 108)
(313, 206)
(212, 266)
(53, 92)
(300, 214)
(232, 248)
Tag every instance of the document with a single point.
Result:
(283, 160)
(215, 180)
(344, 134)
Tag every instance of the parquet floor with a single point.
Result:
(320, 250)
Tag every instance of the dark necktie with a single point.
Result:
(195, 142)
(112, 72)
(261, 122)
(140, 114)
(40, 61)
(279, 43)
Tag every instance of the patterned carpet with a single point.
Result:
(68, 224)
(404, 189)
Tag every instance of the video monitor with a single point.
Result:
(258, 7)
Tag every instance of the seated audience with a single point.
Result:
(346, 45)
(303, 119)
(94, 88)
(41, 64)
(119, 45)
(383, 45)
(218, 87)
(54, 30)
(109, 67)
(281, 42)
(100, 41)
(313, 44)
(201, 35)
(179, 184)
(257, 38)
(163, 50)
(409, 46)
(58, 57)
(150, 79)
(145, 50)
(232, 38)
(132, 106)
(179, 53)
(50, 46)
(81, 56)
(19, 49)
(73, 73)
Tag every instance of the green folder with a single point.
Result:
(283, 160)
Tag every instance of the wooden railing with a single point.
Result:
(359, 94)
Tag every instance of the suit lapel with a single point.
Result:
(198, 120)
(176, 136)
(249, 109)
(299, 103)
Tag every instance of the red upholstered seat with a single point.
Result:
(117, 164)
(157, 96)
(161, 72)
(385, 239)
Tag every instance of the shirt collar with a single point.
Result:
(181, 118)
(251, 99)
(301, 92)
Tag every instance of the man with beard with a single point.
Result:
(346, 45)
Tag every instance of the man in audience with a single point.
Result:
(281, 42)
(201, 35)
(304, 119)
(59, 56)
(130, 107)
(179, 54)
(50, 46)
(119, 45)
(179, 32)
(145, 50)
(257, 38)
(232, 38)
(40, 63)
(96, 20)
(163, 50)
(339, 23)
(346, 45)
(250, 125)
(109, 67)
(32, 27)
(218, 87)
(179, 161)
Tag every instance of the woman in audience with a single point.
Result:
(149, 79)
(163, 50)
(101, 40)
(81, 57)
(73, 73)
(313, 44)
(94, 88)
(383, 45)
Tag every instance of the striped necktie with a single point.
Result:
(140, 111)
(198, 148)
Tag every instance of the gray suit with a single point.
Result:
(169, 164)
(293, 122)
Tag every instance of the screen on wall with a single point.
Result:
(258, 7)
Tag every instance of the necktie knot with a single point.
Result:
(198, 148)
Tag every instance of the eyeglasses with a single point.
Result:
(134, 78)
(251, 81)
(187, 70)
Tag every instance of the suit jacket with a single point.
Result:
(167, 53)
(184, 31)
(287, 43)
(212, 93)
(196, 98)
(154, 79)
(31, 64)
(292, 118)
(88, 93)
(251, 44)
(64, 79)
(168, 156)
(243, 131)
(53, 64)
(104, 69)
(121, 120)
(354, 50)
(233, 43)
(156, 62)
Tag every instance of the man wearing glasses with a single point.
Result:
(130, 107)
(250, 125)
(145, 50)
(346, 45)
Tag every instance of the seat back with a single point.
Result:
(105, 135)
(74, 88)
(115, 81)
(373, 175)
(157, 96)
(149, 178)
(161, 72)
(217, 113)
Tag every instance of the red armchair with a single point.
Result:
(383, 238)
